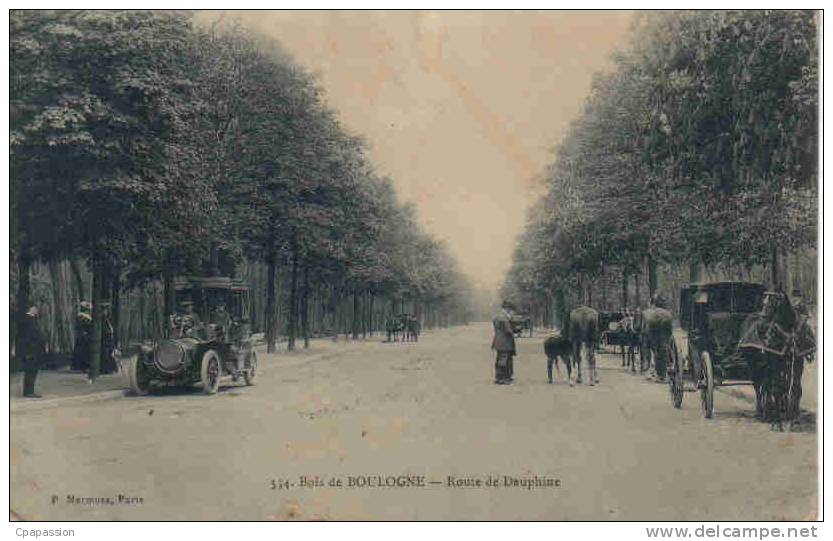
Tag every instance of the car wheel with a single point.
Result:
(210, 372)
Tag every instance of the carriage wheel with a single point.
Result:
(675, 376)
(210, 372)
(707, 382)
(250, 373)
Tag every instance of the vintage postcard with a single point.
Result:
(415, 266)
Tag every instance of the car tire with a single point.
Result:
(210, 372)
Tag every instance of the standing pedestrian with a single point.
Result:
(31, 349)
(83, 337)
(503, 343)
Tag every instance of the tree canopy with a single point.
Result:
(699, 146)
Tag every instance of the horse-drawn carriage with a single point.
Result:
(621, 328)
(197, 352)
(737, 333)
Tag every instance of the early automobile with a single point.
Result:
(208, 338)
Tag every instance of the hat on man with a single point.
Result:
(33, 311)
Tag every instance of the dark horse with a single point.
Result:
(412, 329)
(555, 347)
(777, 342)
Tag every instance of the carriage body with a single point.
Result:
(713, 317)
(612, 333)
(223, 346)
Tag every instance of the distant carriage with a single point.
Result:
(737, 333)
(520, 323)
(621, 328)
(403, 326)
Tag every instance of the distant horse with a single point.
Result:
(412, 329)
(555, 347)
(584, 331)
(394, 326)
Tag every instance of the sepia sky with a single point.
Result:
(460, 109)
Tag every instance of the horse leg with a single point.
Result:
(591, 366)
(568, 363)
(593, 363)
(549, 367)
(577, 360)
(794, 394)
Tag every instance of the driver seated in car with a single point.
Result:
(188, 324)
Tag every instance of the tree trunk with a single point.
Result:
(638, 299)
(778, 276)
(364, 314)
(370, 313)
(115, 312)
(354, 324)
(603, 278)
(624, 288)
(305, 307)
(652, 276)
(79, 282)
(293, 299)
(98, 311)
(559, 309)
(169, 293)
(214, 260)
(24, 289)
(271, 307)
(695, 272)
(61, 322)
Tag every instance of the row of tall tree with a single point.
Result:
(145, 146)
(696, 152)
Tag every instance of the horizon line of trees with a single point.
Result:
(145, 146)
(695, 158)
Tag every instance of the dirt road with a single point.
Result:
(371, 413)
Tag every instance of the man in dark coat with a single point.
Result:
(83, 337)
(31, 346)
(504, 345)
